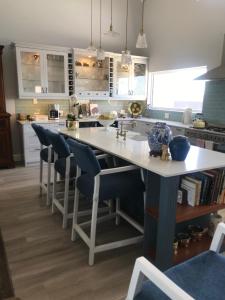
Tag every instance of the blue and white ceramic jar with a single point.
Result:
(179, 147)
(160, 134)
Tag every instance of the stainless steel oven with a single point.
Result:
(212, 138)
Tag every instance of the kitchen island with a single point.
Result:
(162, 182)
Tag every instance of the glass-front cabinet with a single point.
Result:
(42, 73)
(92, 78)
(131, 82)
(122, 80)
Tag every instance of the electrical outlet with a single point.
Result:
(35, 101)
(167, 115)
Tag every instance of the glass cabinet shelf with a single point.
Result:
(91, 77)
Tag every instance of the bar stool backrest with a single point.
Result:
(41, 134)
(59, 144)
(85, 157)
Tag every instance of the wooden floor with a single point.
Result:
(44, 263)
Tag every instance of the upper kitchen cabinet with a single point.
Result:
(131, 82)
(42, 73)
(92, 78)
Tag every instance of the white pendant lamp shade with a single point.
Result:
(91, 46)
(111, 32)
(126, 59)
(141, 40)
(100, 51)
(100, 54)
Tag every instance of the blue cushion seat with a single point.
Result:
(44, 155)
(202, 277)
(60, 166)
(112, 185)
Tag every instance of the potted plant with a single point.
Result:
(72, 123)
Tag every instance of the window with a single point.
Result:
(177, 89)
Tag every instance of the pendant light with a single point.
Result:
(141, 40)
(126, 57)
(100, 51)
(111, 32)
(91, 46)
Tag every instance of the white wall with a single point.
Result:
(184, 33)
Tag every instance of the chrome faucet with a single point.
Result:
(121, 132)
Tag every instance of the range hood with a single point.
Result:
(217, 73)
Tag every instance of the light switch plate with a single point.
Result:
(167, 115)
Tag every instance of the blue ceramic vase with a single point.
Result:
(179, 147)
(160, 134)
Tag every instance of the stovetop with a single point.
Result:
(211, 133)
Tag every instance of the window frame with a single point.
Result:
(151, 87)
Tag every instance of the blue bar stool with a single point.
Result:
(98, 185)
(65, 166)
(46, 155)
(199, 278)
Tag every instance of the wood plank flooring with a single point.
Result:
(44, 263)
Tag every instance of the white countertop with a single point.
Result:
(137, 152)
(93, 119)
(46, 121)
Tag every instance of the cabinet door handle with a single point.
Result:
(46, 90)
(42, 90)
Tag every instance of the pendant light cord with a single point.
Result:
(100, 42)
(126, 27)
(111, 14)
(142, 21)
(91, 22)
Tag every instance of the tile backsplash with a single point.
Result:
(214, 102)
(27, 107)
(213, 105)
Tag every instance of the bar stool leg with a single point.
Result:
(41, 176)
(75, 215)
(48, 201)
(94, 220)
(66, 193)
(117, 208)
(66, 198)
(54, 184)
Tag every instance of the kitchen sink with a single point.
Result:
(139, 137)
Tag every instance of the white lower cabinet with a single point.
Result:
(142, 127)
(31, 144)
(177, 130)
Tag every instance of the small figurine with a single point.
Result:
(165, 153)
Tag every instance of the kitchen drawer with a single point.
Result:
(32, 155)
(31, 139)
(143, 127)
(177, 131)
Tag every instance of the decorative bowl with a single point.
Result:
(184, 239)
(106, 123)
(197, 232)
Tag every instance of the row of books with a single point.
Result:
(203, 188)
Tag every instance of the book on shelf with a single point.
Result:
(204, 188)
(198, 184)
(190, 187)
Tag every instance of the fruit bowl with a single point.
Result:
(106, 120)
(106, 123)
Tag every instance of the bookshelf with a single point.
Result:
(187, 212)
